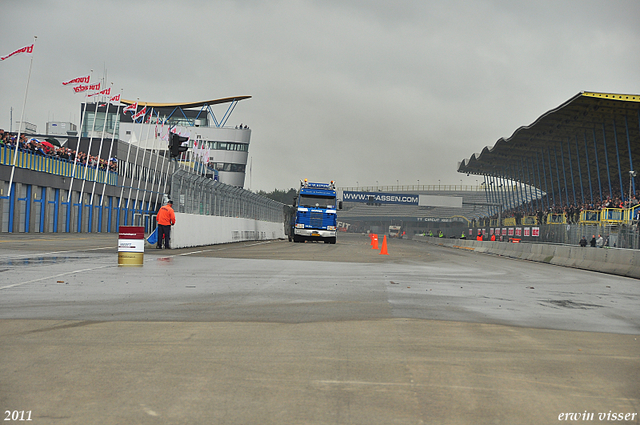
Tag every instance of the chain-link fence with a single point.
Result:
(618, 236)
(194, 194)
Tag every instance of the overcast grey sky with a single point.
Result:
(351, 90)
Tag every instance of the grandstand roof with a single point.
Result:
(187, 104)
(573, 134)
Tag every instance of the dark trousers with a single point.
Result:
(164, 232)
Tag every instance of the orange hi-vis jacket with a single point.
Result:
(166, 216)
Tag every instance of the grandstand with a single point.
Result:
(580, 157)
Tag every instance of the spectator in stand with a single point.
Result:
(592, 242)
(583, 242)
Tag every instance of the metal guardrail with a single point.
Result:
(194, 194)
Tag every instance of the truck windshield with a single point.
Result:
(311, 201)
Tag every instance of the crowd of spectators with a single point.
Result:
(570, 212)
(45, 148)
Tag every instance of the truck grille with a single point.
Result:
(316, 220)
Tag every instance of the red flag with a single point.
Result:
(77, 80)
(27, 50)
(115, 99)
(131, 108)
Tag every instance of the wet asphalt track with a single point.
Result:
(310, 332)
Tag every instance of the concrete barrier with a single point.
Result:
(201, 230)
(623, 262)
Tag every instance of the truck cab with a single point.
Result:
(315, 215)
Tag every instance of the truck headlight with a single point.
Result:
(299, 226)
(331, 227)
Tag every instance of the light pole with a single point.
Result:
(632, 174)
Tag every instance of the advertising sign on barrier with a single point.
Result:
(527, 231)
(535, 231)
(379, 198)
(131, 246)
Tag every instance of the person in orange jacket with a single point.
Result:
(479, 236)
(166, 218)
(493, 237)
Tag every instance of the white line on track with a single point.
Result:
(55, 276)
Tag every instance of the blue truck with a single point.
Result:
(315, 216)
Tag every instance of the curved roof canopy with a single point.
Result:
(205, 105)
(187, 104)
(593, 138)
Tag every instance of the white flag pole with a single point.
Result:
(113, 136)
(104, 129)
(135, 162)
(75, 157)
(151, 175)
(167, 160)
(124, 175)
(86, 164)
(155, 167)
(24, 105)
(144, 153)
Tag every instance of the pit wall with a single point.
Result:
(201, 230)
(623, 262)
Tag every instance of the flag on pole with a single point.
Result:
(131, 108)
(139, 114)
(115, 99)
(77, 80)
(180, 132)
(82, 88)
(27, 50)
(105, 92)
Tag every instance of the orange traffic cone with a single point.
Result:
(383, 251)
(374, 242)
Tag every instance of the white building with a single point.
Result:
(228, 146)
